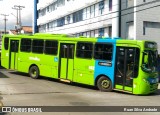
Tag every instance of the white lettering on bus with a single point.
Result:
(6, 54)
(34, 58)
(91, 67)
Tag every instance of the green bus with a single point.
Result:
(109, 64)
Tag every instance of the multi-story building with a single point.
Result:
(140, 19)
(130, 19)
(90, 18)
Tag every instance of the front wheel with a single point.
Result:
(104, 84)
(34, 72)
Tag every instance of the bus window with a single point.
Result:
(84, 50)
(51, 47)
(26, 45)
(6, 42)
(103, 51)
(37, 46)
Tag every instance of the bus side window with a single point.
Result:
(51, 47)
(103, 51)
(37, 46)
(25, 45)
(84, 50)
(6, 43)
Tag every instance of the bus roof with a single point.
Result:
(65, 37)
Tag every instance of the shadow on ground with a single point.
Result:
(80, 85)
(3, 75)
(56, 80)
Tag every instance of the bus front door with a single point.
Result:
(13, 54)
(66, 61)
(126, 68)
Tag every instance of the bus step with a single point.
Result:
(65, 80)
(122, 90)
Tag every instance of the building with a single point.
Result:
(140, 19)
(130, 19)
(24, 30)
(91, 18)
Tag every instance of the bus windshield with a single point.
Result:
(149, 63)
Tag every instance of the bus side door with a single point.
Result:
(66, 62)
(13, 54)
(126, 67)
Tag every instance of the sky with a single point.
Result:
(26, 13)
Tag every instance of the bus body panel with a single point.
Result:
(106, 67)
(84, 71)
(141, 83)
(4, 55)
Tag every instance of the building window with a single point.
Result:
(110, 5)
(101, 6)
(43, 12)
(52, 7)
(51, 47)
(92, 11)
(6, 43)
(110, 31)
(147, 24)
(47, 25)
(26, 45)
(101, 32)
(60, 3)
(78, 16)
(37, 46)
(92, 33)
(84, 50)
(130, 30)
(68, 19)
(130, 3)
(84, 34)
(84, 13)
(60, 22)
(88, 12)
(47, 8)
(103, 51)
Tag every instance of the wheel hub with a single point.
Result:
(105, 84)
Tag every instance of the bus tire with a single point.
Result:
(104, 84)
(34, 72)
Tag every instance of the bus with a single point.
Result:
(108, 64)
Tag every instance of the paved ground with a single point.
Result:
(17, 89)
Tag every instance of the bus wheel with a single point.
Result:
(34, 72)
(104, 84)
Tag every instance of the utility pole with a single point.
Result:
(17, 22)
(5, 20)
(18, 8)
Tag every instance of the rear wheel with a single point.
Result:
(34, 72)
(104, 84)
